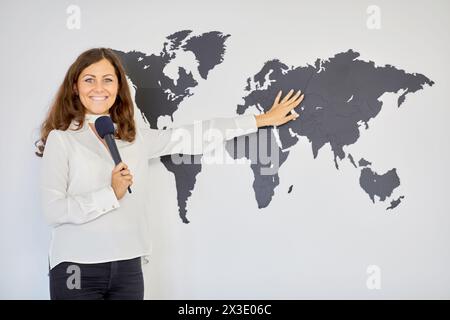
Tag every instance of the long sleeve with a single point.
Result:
(59, 206)
(198, 138)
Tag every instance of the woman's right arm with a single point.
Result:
(58, 205)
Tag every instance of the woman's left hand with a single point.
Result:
(279, 112)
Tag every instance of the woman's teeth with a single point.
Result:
(99, 98)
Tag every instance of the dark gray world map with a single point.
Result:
(341, 97)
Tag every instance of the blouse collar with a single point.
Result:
(88, 118)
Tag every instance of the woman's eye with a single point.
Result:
(108, 80)
(88, 80)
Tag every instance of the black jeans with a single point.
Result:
(115, 280)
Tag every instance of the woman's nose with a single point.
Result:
(98, 86)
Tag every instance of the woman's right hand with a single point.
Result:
(121, 179)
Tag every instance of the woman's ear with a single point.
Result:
(75, 89)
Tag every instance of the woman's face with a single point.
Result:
(97, 87)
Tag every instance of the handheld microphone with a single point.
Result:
(105, 129)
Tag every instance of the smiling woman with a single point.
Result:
(99, 229)
(95, 73)
(97, 88)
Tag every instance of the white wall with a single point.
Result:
(312, 243)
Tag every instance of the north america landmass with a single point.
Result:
(341, 95)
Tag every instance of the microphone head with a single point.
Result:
(104, 126)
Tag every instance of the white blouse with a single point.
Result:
(89, 224)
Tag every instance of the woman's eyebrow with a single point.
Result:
(91, 75)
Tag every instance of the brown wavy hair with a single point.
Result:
(67, 105)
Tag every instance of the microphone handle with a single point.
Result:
(111, 143)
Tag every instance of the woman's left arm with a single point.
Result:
(204, 136)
